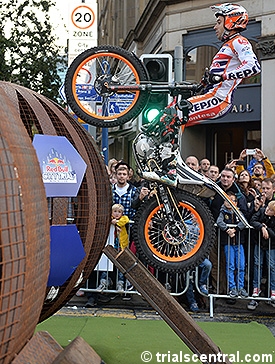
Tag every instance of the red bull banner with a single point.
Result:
(61, 165)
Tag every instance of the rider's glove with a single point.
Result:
(214, 78)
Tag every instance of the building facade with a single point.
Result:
(158, 26)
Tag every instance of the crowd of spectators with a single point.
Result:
(252, 189)
(249, 182)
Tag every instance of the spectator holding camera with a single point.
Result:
(258, 183)
(259, 167)
(248, 189)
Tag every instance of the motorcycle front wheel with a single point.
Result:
(178, 244)
(86, 81)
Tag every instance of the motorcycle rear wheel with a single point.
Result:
(178, 245)
(85, 88)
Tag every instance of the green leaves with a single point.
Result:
(28, 52)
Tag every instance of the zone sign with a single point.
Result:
(83, 17)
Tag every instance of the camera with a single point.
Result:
(250, 151)
(259, 197)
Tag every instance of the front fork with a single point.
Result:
(164, 199)
(169, 204)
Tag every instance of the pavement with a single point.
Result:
(113, 305)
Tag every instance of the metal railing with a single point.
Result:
(252, 243)
(177, 284)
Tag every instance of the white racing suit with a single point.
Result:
(234, 61)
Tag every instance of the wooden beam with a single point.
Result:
(168, 308)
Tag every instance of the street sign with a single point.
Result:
(62, 92)
(82, 27)
(83, 17)
(116, 104)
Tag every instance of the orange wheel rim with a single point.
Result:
(174, 241)
(94, 113)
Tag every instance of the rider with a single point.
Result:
(234, 61)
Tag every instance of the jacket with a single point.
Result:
(257, 220)
(123, 234)
(228, 217)
(269, 170)
(216, 203)
(125, 200)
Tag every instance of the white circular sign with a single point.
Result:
(83, 17)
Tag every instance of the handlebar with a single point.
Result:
(174, 89)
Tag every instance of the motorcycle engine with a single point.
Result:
(144, 146)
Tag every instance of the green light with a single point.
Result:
(151, 114)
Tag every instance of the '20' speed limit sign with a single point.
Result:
(83, 17)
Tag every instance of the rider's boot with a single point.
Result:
(168, 173)
(166, 178)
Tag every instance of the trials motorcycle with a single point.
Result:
(174, 229)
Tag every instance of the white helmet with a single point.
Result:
(235, 16)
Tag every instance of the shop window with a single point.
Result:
(197, 60)
(253, 139)
(200, 58)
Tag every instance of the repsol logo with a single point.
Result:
(206, 104)
(243, 74)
